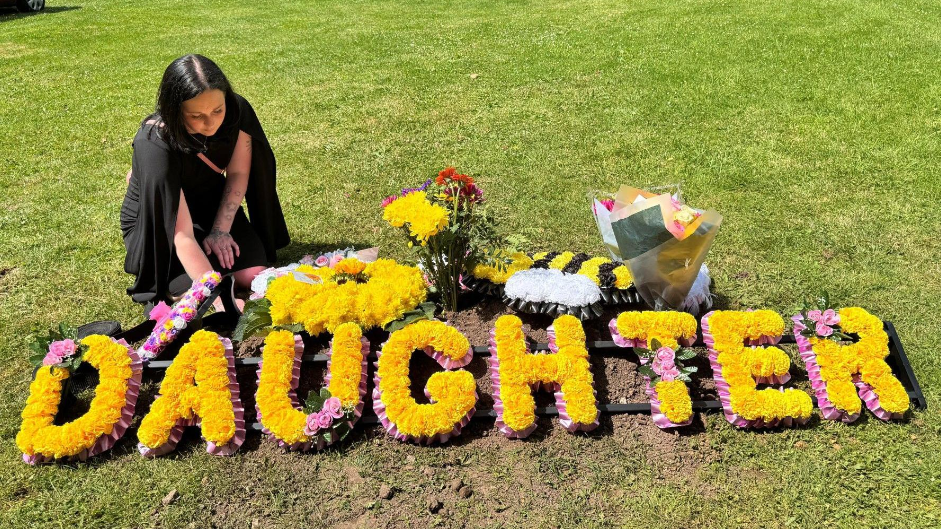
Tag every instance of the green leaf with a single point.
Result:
(654, 344)
(647, 371)
(36, 360)
(294, 328)
(324, 393)
(684, 378)
(425, 311)
(37, 348)
(342, 430)
(640, 351)
(314, 403)
(685, 354)
(255, 320)
(689, 370)
(328, 437)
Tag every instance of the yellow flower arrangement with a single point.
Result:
(674, 400)
(665, 327)
(346, 365)
(424, 219)
(517, 371)
(196, 385)
(40, 438)
(453, 393)
(838, 363)
(519, 261)
(350, 266)
(738, 365)
(391, 290)
(276, 380)
(622, 277)
(275, 384)
(589, 267)
(640, 329)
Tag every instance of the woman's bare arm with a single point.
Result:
(187, 249)
(236, 182)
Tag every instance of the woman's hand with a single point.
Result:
(223, 245)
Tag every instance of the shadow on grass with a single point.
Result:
(8, 14)
(294, 251)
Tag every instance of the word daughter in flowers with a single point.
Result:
(195, 159)
(200, 387)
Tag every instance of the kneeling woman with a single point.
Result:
(195, 159)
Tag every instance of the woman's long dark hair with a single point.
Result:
(184, 79)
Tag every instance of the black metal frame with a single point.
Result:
(897, 360)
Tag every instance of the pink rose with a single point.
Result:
(324, 420)
(814, 315)
(63, 348)
(670, 374)
(658, 367)
(322, 261)
(666, 355)
(824, 330)
(50, 360)
(829, 317)
(313, 425)
(333, 408)
(336, 259)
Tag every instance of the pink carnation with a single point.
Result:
(670, 374)
(824, 330)
(63, 348)
(666, 355)
(312, 426)
(333, 408)
(50, 360)
(324, 420)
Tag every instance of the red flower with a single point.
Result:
(447, 173)
(468, 180)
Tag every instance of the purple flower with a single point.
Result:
(333, 408)
(324, 420)
(408, 190)
(307, 259)
(313, 424)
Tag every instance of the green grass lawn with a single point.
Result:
(812, 126)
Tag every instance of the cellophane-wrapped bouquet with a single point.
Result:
(663, 241)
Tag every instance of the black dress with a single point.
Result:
(149, 211)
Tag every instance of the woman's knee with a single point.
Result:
(243, 278)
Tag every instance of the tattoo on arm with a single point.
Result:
(231, 198)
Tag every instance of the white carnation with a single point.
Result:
(540, 285)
